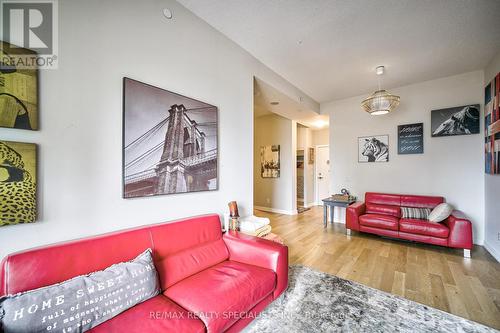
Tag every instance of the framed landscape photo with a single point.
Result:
(170, 142)
(18, 89)
(460, 120)
(373, 148)
(411, 139)
(18, 177)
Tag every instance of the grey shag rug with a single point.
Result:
(320, 302)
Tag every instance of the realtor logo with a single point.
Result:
(29, 26)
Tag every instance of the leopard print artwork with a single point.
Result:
(17, 189)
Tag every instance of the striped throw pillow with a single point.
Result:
(415, 213)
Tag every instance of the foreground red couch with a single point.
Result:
(380, 214)
(226, 280)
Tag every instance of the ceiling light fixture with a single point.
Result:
(320, 123)
(381, 101)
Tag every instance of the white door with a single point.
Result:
(322, 173)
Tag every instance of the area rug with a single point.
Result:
(320, 302)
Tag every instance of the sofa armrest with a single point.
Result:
(260, 252)
(353, 212)
(460, 230)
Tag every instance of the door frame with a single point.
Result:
(316, 187)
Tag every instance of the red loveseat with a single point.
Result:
(225, 279)
(380, 214)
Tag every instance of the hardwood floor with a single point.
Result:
(436, 276)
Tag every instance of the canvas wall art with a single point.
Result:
(311, 155)
(169, 142)
(460, 120)
(411, 139)
(373, 148)
(18, 89)
(492, 126)
(17, 182)
(270, 161)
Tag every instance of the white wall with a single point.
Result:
(321, 137)
(492, 186)
(451, 166)
(80, 148)
(276, 194)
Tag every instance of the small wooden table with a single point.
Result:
(330, 203)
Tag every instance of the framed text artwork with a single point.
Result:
(411, 139)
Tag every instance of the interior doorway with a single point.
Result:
(322, 173)
(301, 181)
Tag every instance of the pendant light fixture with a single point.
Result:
(381, 101)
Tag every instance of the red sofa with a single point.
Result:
(380, 214)
(225, 279)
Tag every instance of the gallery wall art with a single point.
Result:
(460, 120)
(18, 89)
(170, 142)
(373, 148)
(411, 139)
(492, 126)
(270, 161)
(17, 182)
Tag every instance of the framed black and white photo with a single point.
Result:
(460, 120)
(373, 148)
(270, 161)
(411, 139)
(169, 142)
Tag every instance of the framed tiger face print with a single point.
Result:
(373, 148)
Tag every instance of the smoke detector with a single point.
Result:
(167, 13)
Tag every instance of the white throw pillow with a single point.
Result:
(440, 213)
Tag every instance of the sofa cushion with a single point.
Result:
(383, 198)
(383, 209)
(187, 247)
(420, 201)
(422, 227)
(158, 314)
(440, 213)
(178, 266)
(84, 301)
(415, 213)
(379, 221)
(217, 292)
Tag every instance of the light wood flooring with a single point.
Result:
(436, 276)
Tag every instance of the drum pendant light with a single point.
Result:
(381, 101)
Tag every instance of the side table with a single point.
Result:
(329, 203)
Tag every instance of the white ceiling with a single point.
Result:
(264, 94)
(330, 48)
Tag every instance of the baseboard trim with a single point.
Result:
(277, 211)
(492, 251)
(311, 204)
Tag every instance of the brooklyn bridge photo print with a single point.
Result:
(169, 142)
